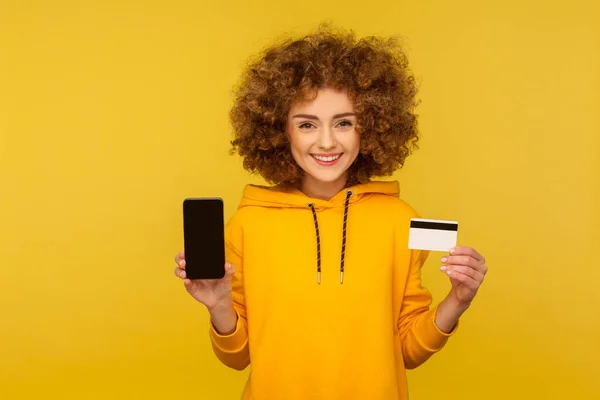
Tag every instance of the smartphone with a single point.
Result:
(204, 238)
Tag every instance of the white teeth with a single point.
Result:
(327, 159)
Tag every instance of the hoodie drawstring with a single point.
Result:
(348, 194)
(314, 213)
(312, 207)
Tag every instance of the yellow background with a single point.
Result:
(111, 112)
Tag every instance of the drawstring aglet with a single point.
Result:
(319, 277)
(341, 277)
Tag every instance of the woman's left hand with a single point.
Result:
(466, 269)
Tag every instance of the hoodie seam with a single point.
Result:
(233, 248)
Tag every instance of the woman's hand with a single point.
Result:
(466, 269)
(210, 292)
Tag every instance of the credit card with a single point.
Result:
(432, 234)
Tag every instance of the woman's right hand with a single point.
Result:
(210, 292)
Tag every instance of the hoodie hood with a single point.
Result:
(276, 197)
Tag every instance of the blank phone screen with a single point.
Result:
(204, 241)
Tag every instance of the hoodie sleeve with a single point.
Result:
(418, 333)
(232, 350)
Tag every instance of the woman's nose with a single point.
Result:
(326, 139)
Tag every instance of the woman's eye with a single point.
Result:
(345, 124)
(306, 125)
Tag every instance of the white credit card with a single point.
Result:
(432, 234)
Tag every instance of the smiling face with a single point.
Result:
(324, 141)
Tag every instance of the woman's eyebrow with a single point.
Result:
(314, 117)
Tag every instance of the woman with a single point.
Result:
(322, 295)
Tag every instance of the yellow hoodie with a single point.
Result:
(334, 339)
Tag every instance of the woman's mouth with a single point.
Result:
(326, 159)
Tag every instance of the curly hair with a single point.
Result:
(373, 71)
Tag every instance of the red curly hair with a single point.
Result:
(372, 71)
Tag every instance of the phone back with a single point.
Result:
(204, 238)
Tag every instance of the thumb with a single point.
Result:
(229, 270)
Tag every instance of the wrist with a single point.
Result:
(448, 313)
(457, 306)
(221, 305)
(223, 317)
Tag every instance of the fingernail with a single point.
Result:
(444, 259)
(181, 263)
(452, 251)
(449, 272)
(443, 267)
